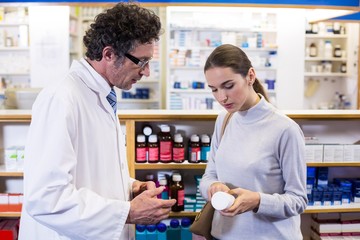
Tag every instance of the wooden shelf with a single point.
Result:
(10, 214)
(185, 165)
(183, 214)
(352, 207)
(333, 164)
(6, 173)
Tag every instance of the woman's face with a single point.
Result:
(230, 89)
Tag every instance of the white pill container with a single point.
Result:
(222, 200)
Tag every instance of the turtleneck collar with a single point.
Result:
(257, 112)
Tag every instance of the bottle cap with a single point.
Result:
(149, 177)
(205, 138)
(174, 223)
(165, 128)
(151, 227)
(163, 182)
(140, 138)
(222, 200)
(195, 138)
(185, 222)
(161, 227)
(176, 177)
(178, 138)
(153, 138)
(147, 130)
(140, 227)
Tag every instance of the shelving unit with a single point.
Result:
(189, 45)
(332, 126)
(325, 75)
(14, 46)
(75, 50)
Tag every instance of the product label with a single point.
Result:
(153, 154)
(165, 151)
(205, 152)
(195, 154)
(181, 197)
(140, 155)
(179, 154)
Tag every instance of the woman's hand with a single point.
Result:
(217, 187)
(246, 200)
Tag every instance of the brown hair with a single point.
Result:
(228, 55)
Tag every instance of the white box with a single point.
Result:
(10, 158)
(314, 152)
(333, 152)
(352, 153)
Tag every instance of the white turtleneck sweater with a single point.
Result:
(262, 150)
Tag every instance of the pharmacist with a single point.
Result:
(76, 179)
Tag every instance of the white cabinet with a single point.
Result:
(14, 46)
(331, 67)
(193, 33)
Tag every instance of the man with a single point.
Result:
(76, 179)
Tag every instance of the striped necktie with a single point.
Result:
(112, 99)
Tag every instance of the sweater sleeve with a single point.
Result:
(293, 201)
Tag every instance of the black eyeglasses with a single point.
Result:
(140, 63)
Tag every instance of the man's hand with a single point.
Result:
(146, 208)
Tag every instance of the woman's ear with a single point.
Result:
(250, 78)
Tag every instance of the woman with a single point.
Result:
(260, 158)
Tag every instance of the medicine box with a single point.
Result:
(314, 152)
(352, 153)
(333, 152)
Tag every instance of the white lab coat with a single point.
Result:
(76, 179)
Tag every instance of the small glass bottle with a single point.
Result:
(313, 50)
(165, 140)
(178, 149)
(153, 149)
(337, 51)
(343, 67)
(140, 149)
(195, 151)
(205, 148)
(177, 192)
(165, 193)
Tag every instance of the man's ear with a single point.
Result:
(108, 53)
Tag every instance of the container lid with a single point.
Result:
(178, 138)
(185, 222)
(176, 177)
(140, 227)
(165, 128)
(163, 182)
(174, 223)
(161, 227)
(151, 227)
(147, 130)
(140, 138)
(205, 138)
(194, 138)
(153, 138)
(222, 200)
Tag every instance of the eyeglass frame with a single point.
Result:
(140, 63)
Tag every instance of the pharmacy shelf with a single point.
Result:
(134, 100)
(10, 214)
(351, 207)
(177, 166)
(316, 59)
(13, 24)
(310, 74)
(333, 164)
(14, 49)
(10, 173)
(210, 29)
(332, 36)
(190, 90)
(183, 214)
